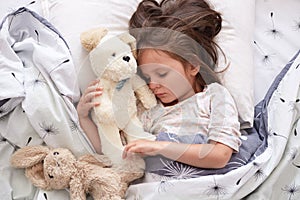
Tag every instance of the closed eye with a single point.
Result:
(161, 75)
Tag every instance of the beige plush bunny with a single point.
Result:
(58, 168)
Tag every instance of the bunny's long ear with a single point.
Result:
(36, 175)
(28, 156)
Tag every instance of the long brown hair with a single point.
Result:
(184, 29)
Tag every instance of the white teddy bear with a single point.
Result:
(115, 66)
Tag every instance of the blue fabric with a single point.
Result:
(121, 84)
(253, 146)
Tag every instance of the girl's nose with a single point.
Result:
(153, 85)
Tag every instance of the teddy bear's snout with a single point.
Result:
(126, 58)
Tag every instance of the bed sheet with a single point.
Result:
(272, 175)
(37, 96)
(7, 7)
(276, 40)
(275, 43)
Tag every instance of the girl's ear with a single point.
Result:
(194, 65)
(194, 70)
(28, 156)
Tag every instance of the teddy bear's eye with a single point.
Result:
(50, 176)
(55, 153)
(113, 54)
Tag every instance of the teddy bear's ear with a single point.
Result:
(131, 41)
(91, 38)
(28, 156)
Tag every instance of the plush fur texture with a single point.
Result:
(58, 168)
(114, 64)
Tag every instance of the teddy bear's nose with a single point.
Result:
(126, 58)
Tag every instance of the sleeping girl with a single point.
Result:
(196, 119)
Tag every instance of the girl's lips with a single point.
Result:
(160, 94)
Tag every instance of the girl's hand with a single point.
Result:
(85, 103)
(144, 147)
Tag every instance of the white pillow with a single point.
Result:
(72, 17)
(236, 40)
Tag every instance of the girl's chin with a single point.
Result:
(169, 103)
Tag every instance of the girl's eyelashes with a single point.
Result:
(161, 75)
(155, 75)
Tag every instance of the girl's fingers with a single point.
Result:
(85, 102)
(132, 148)
(92, 104)
(127, 150)
(94, 82)
(89, 96)
(93, 88)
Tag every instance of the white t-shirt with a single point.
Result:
(212, 113)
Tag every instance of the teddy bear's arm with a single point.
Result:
(143, 93)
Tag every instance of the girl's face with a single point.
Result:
(169, 80)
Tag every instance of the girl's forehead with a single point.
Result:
(156, 59)
(153, 56)
(154, 67)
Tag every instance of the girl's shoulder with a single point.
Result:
(219, 93)
(216, 91)
(215, 88)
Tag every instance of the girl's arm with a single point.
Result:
(212, 155)
(83, 108)
(91, 131)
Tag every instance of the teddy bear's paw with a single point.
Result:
(150, 103)
(131, 168)
(147, 98)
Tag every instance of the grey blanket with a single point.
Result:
(38, 91)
